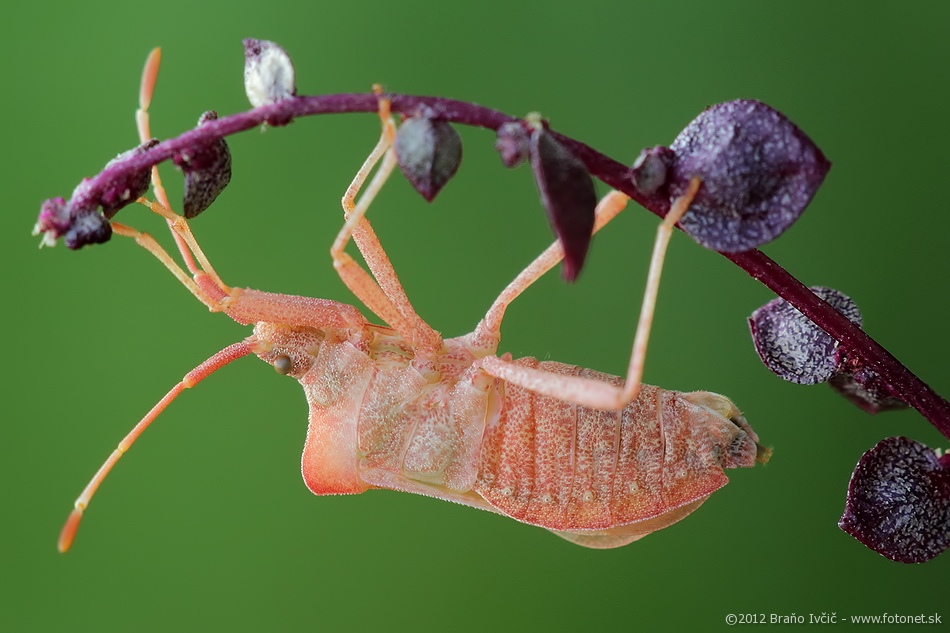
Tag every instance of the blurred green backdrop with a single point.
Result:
(207, 525)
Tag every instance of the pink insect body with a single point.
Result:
(598, 460)
(598, 478)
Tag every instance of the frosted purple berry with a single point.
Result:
(792, 346)
(899, 501)
(759, 172)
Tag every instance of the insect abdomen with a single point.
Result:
(571, 468)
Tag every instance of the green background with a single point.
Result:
(206, 524)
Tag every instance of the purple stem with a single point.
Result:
(900, 379)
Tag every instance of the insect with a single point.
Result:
(599, 460)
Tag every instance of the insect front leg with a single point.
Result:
(382, 293)
(591, 393)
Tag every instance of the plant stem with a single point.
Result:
(900, 379)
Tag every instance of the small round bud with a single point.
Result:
(649, 172)
(512, 143)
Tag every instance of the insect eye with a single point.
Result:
(283, 365)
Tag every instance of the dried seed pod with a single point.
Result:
(792, 346)
(512, 143)
(899, 501)
(126, 190)
(207, 170)
(759, 172)
(268, 73)
(429, 151)
(568, 196)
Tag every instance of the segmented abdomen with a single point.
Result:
(567, 467)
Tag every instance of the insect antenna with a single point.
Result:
(192, 378)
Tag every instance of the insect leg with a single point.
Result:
(384, 295)
(244, 305)
(147, 88)
(207, 286)
(148, 242)
(591, 393)
(487, 333)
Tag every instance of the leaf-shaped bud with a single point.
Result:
(512, 143)
(429, 151)
(268, 73)
(77, 227)
(207, 170)
(863, 386)
(129, 188)
(568, 196)
(794, 347)
(899, 501)
(759, 172)
(651, 169)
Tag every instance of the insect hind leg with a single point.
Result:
(593, 393)
(484, 340)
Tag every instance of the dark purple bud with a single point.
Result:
(129, 188)
(651, 169)
(899, 501)
(207, 170)
(268, 73)
(87, 226)
(512, 143)
(429, 151)
(759, 172)
(794, 347)
(568, 196)
(863, 386)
